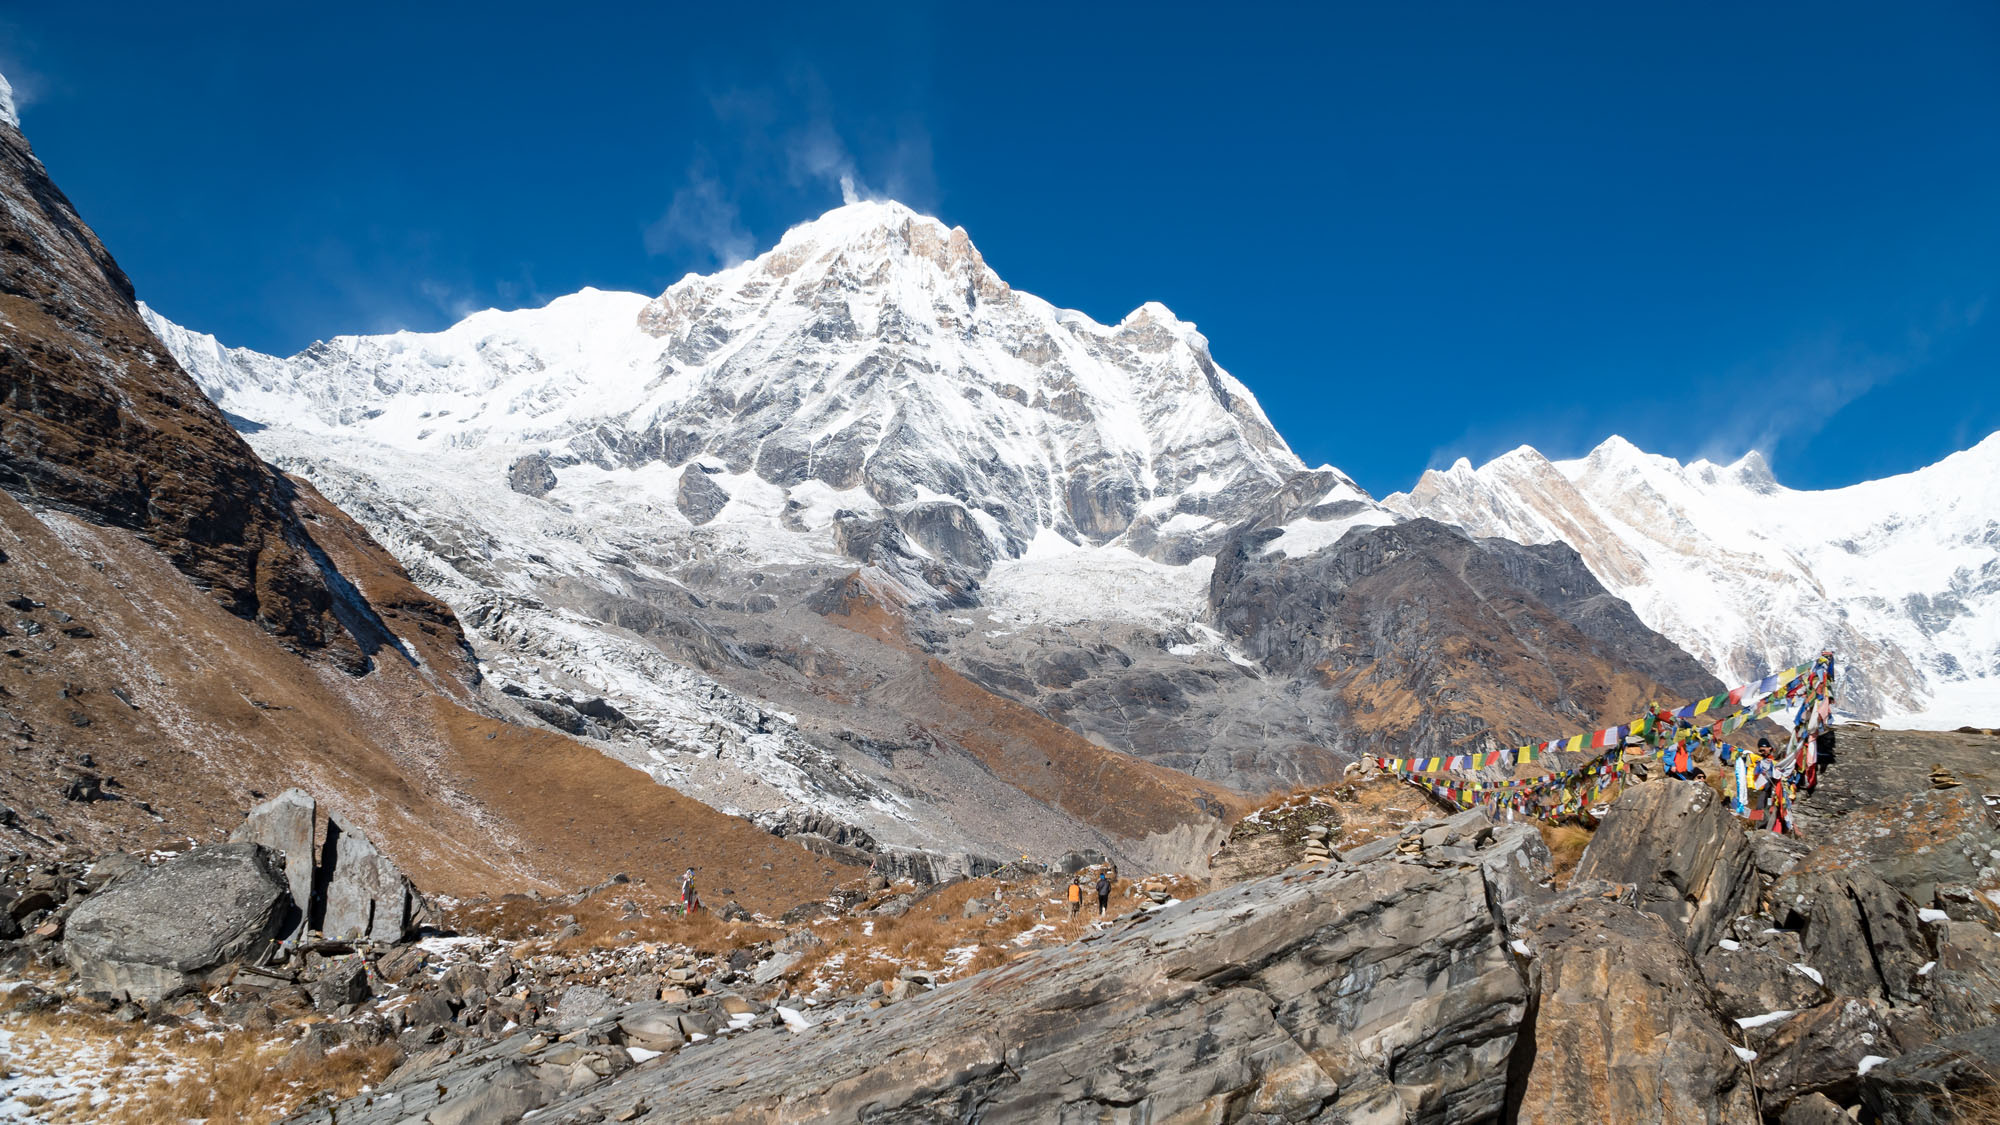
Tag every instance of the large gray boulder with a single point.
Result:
(284, 824)
(367, 897)
(1683, 851)
(150, 934)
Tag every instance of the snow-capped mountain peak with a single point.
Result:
(1901, 575)
(869, 390)
(871, 365)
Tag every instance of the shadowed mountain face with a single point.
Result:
(1422, 639)
(96, 418)
(176, 610)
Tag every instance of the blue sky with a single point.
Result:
(1416, 231)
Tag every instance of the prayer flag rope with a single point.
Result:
(1764, 783)
(1606, 739)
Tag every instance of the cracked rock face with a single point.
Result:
(1617, 988)
(1688, 857)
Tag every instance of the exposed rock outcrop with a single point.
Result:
(532, 475)
(1686, 855)
(1948, 1081)
(1384, 990)
(698, 497)
(344, 888)
(1622, 1029)
(367, 898)
(1278, 995)
(1858, 932)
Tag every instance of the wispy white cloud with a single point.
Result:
(454, 303)
(21, 85)
(786, 144)
(1788, 398)
(815, 153)
(702, 218)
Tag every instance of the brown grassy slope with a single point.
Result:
(179, 578)
(220, 713)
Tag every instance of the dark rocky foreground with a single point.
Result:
(1687, 970)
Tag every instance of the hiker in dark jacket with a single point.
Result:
(1103, 892)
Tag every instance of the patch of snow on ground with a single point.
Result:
(1304, 537)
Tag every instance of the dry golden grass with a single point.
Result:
(255, 1082)
(1976, 1105)
(602, 924)
(859, 950)
(1566, 843)
(166, 1077)
(1980, 1107)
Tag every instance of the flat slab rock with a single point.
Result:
(1380, 992)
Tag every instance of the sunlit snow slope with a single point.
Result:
(869, 363)
(1901, 575)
